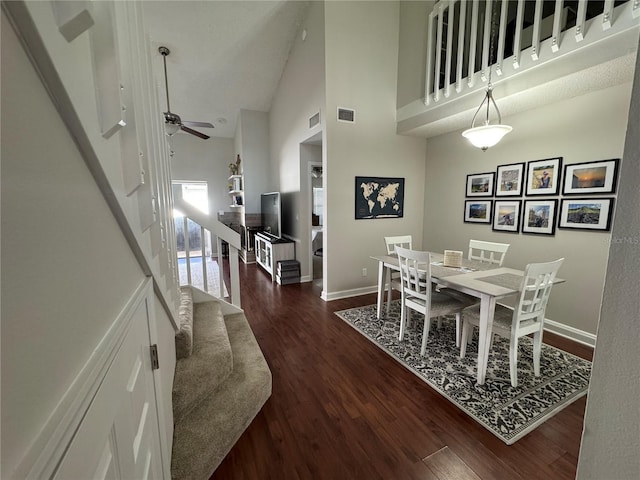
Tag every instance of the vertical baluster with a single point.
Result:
(486, 41)
(557, 18)
(607, 15)
(460, 57)
(635, 11)
(450, 23)
(429, 74)
(472, 46)
(436, 73)
(185, 221)
(501, 36)
(220, 264)
(205, 280)
(235, 276)
(517, 41)
(581, 20)
(537, 20)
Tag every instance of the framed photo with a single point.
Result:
(543, 176)
(509, 180)
(539, 216)
(506, 215)
(480, 184)
(591, 177)
(586, 213)
(379, 197)
(477, 211)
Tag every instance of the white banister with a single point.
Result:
(501, 36)
(581, 21)
(203, 251)
(517, 41)
(436, 77)
(486, 41)
(555, 37)
(607, 14)
(472, 47)
(428, 84)
(537, 21)
(460, 56)
(450, 27)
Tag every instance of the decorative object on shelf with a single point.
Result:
(543, 176)
(379, 197)
(506, 215)
(477, 211)
(586, 213)
(539, 216)
(591, 177)
(480, 184)
(235, 167)
(488, 135)
(509, 180)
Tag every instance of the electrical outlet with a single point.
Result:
(364, 272)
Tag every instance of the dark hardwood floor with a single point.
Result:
(343, 409)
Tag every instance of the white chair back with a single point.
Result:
(415, 273)
(397, 241)
(488, 252)
(535, 290)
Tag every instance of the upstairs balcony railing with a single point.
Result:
(468, 37)
(194, 235)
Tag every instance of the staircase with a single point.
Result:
(221, 382)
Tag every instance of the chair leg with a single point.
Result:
(513, 361)
(537, 349)
(458, 321)
(389, 290)
(465, 338)
(403, 320)
(425, 335)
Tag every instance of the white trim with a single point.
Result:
(349, 293)
(49, 446)
(571, 333)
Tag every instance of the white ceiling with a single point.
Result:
(225, 55)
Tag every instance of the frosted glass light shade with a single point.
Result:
(487, 135)
(171, 128)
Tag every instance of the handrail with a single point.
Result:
(223, 233)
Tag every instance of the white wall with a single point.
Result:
(300, 95)
(361, 73)
(205, 160)
(254, 154)
(611, 435)
(67, 270)
(587, 128)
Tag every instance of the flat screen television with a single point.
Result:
(270, 212)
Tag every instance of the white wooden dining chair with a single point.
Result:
(394, 277)
(525, 318)
(417, 294)
(488, 252)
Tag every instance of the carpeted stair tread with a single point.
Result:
(204, 437)
(198, 376)
(184, 337)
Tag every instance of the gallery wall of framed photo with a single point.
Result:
(539, 196)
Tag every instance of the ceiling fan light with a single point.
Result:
(487, 135)
(171, 128)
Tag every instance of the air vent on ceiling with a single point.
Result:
(346, 115)
(314, 120)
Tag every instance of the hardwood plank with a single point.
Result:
(447, 465)
(342, 408)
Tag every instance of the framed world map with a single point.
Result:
(379, 197)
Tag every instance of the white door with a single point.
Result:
(119, 436)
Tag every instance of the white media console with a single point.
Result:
(270, 250)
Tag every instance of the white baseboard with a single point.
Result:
(350, 293)
(571, 333)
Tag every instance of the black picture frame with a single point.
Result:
(480, 184)
(509, 180)
(539, 216)
(591, 178)
(544, 176)
(367, 202)
(506, 215)
(594, 214)
(478, 211)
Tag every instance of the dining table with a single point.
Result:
(485, 281)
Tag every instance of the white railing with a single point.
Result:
(222, 233)
(524, 34)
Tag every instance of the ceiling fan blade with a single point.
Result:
(198, 124)
(194, 132)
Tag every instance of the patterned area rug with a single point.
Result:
(507, 412)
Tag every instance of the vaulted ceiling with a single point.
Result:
(225, 55)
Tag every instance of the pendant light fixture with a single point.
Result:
(489, 134)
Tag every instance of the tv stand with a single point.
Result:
(271, 249)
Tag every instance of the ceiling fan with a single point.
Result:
(172, 121)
